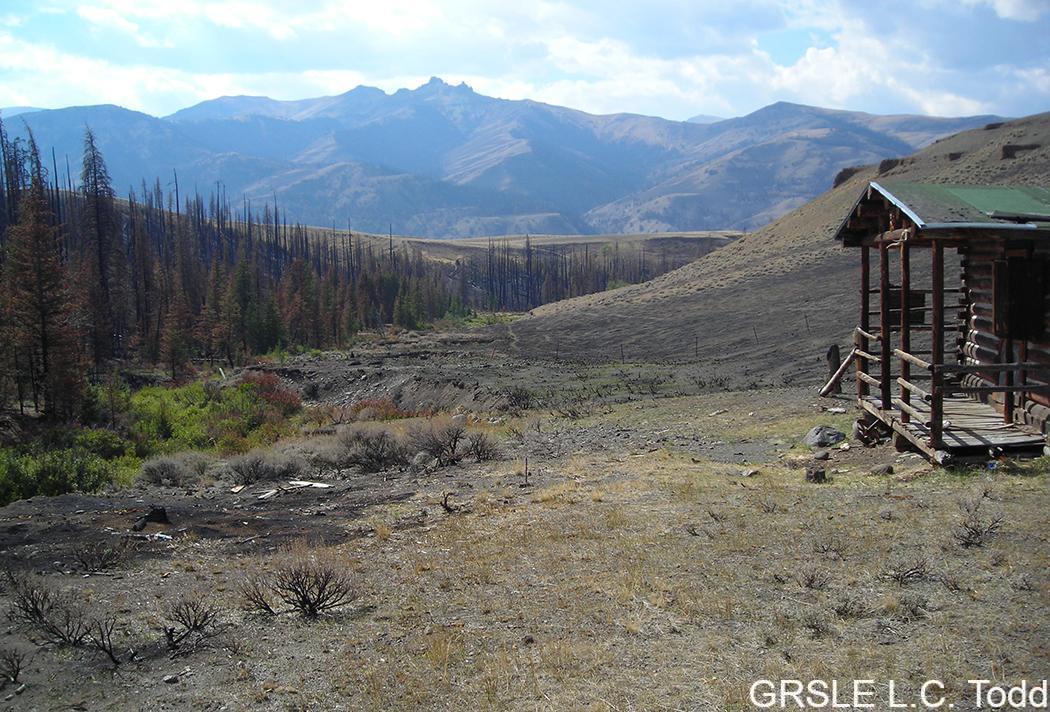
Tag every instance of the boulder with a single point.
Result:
(823, 436)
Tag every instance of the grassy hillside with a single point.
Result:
(765, 307)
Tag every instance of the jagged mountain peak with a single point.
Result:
(446, 159)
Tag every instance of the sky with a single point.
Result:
(669, 58)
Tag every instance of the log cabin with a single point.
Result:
(952, 349)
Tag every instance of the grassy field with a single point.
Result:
(636, 569)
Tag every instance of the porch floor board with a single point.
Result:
(968, 425)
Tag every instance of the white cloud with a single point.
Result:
(581, 53)
(108, 17)
(1023, 10)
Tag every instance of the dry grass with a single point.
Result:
(591, 590)
(653, 582)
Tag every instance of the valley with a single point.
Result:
(574, 458)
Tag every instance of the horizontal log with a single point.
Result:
(868, 357)
(917, 415)
(870, 337)
(913, 360)
(979, 354)
(915, 389)
(896, 288)
(990, 367)
(1031, 388)
(870, 380)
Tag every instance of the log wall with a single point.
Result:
(978, 342)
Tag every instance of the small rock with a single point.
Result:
(528, 640)
(749, 473)
(171, 679)
(20, 689)
(823, 436)
(816, 474)
(720, 411)
(836, 410)
(887, 514)
(822, 455)
(844, 447)
(883, 470)
(460, 419)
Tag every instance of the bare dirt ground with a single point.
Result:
(664, 552)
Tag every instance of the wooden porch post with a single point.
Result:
(865, 320)
(905, 335)
(1008, 396)
(937, 348)
(884, 325)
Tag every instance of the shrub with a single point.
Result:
(324, 455)
(908, 571)
(54, 614)
(102, 443)
(309, 585)
(519, 398)
(851, 605)
(976, 528)
(11, 663)
(263, 466)
(378, 409)
(813, 578)
(199, 416)
(179, 470)
(190, 621)
(51, 473)
(372, 449)
(102, 555)
(70, 471)
(482, 447)
(15, 482)
(817, 623)
(440, 440)
(271, 390)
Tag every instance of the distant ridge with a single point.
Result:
(9, 111)
(763, 309)
(443, 160)
(705, 119)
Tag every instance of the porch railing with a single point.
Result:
(943, 381)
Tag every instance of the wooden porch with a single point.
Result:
(939, 402)
(953, 357)
(969, 428)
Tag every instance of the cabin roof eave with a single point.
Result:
(946, 200)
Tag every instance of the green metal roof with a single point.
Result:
(934, 205)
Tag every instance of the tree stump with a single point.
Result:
(816, 474)
(834, 361)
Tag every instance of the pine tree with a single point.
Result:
(176, 334)
(41, 318)
(99, 215)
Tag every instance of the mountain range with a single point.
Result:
(445, 161)
(764, 308)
